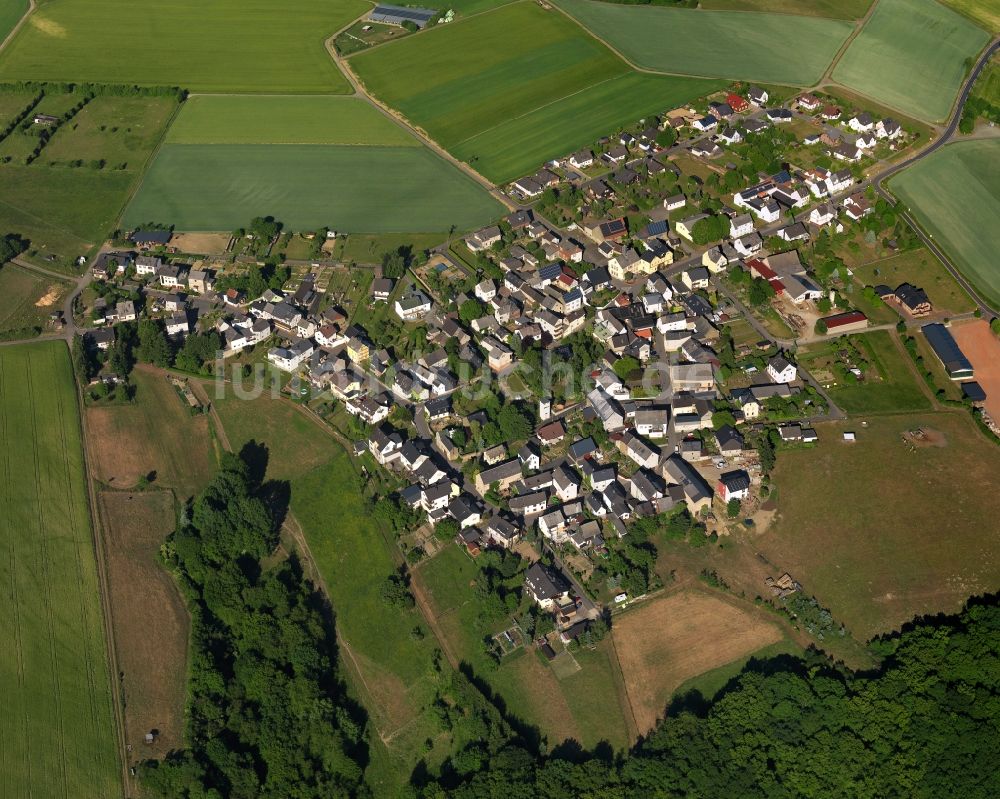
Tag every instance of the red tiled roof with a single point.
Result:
(846, 318)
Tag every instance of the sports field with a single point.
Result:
(352, 189)
(288, 119)
(911, 56)
(224, 46)
(955, 195)
(57, 726)
(776, 48)
(882, 531)
(536, 75)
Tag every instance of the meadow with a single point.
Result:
(775, 48)
(28, 299)
(291, 119)
(911, 56)
(540, 86)
(10, 12)
(353, 189)
(955, 195)
(226, 46)
(985, 13)
(921, 269)
(889, 385)
(909, 536)
(58, 725)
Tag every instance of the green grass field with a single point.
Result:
(12, 104)
(539, 86)
(834, 9)
(226, 46)
(249, 119)
(890, 386)
(881, 532)
(351, 189)
(57, 726)
(911, 56)
(740, 46)
(10, 12)
(985, 13)
(988, 84)
(921, 269)
(955, 195)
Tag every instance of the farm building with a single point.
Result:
(397, 15)
(947, 350)
(846, 322)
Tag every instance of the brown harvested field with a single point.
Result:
(982, 348)
(157, 433)
(673, 638)
(882, 530)
(149, 619)
(201, 243)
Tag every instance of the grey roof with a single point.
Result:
(544, 583)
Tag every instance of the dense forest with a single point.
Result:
(268, 716)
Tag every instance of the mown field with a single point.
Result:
(921, 269)
(521, 144)
(154, 434)
(587, 705)
(881, 532)
(776, 48)
(835, 9)
(57, 727)
(890, 384)
(911, 56)
(291, 119)
(521, 99)
(955, 195)
(226, 46)
(351, 189)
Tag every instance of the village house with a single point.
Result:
(483, 239)
(412, 305)
(546, 587)
(733, 485)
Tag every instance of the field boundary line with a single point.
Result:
(20, 24)
(859, 25)
(104, 592)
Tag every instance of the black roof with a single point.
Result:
(947, 349)
(973, 391)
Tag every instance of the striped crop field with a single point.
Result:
(56, 729)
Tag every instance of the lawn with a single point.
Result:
(12, 104)
(10, 12)
(155, 433)
(227, 46)
(58, 726)
(955, 195)
(539, 86)
(367, 249)
(779, 48)
(294, 444)
(122, 131)
(585, 705)
(835, 9)
(881, 532)
(249, 119)
(911, 56)
(889, 384)
(28, 299)
(350, 189)
(921, 269)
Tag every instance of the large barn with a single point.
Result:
(397, 15)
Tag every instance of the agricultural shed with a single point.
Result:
(397, 15)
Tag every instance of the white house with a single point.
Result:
(412, 305)
(780, 370)
(291, 358)
(888, 129)
(861, 123)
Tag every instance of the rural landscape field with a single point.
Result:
(955, 195)
(716, 44)
(556, 398)
(911, 55)
(58, 726)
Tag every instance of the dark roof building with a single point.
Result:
(397, 15)
(947, 350)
